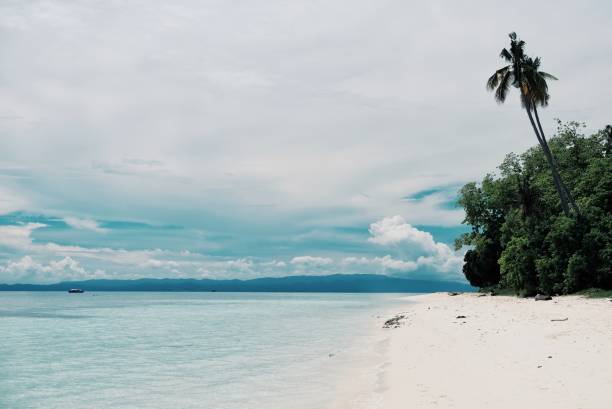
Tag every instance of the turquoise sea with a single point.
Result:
(182, 350)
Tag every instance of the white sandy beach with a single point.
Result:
(506, 353)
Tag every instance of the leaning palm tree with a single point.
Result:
(523, 73)
(536, 90)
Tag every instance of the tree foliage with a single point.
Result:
(520, 236)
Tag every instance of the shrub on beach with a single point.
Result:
(520, 236)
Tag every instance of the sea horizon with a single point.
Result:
(330, 283)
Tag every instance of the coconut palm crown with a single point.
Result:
(522, 72)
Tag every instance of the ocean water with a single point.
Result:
(184, 350)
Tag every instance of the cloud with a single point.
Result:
(238, 79)
(42, 264)
(393, 231)
(84, 224)
(300, 78)
(444, 260)
(160, 263)
(274, 263)
(311, 261)
(10, 201)
(385, 263)
(18, 236)
(240, 264)
(409, 252)
(27, 270)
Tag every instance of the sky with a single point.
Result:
(241, 139)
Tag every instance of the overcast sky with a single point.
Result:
(248, 138)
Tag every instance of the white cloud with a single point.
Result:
(311, 261)
(84, 224)
(27, 270)
(395, 230)
(438, 256)
(385, 263)
(18, 236)
(393, 264)
(132, 263)
(155, 263)
(11, 201)
(443, 259)
(274, 263)
(238, 79)
(45, 261)
(336, 74)
(240, 265)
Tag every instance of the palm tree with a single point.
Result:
(522, 72)
(537, 91)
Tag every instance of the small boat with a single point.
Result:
(76, 291)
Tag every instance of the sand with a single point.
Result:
(506, 353)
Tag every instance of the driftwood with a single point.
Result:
(394, 322)
(560, 319)
(542, 297)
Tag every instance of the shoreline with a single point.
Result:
(507, 352)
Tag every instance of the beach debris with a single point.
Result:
(542, 297)
(482, 295)
(452, 293)
(560, 319)
(394, 322)
(460, 316)
(331, 355)
(539, 366)
(549, 356)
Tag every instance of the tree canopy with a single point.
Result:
(520, 238)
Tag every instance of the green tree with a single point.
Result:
(518, 236)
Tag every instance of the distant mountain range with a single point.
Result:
(337, 283)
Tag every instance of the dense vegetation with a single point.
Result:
(521, 236)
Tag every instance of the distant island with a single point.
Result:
(336, 283)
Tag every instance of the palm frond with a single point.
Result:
(504, 85)
(539, 91)
(492, 82)
(494, 79)
(535, 82)
(505, 54)
(548, 76)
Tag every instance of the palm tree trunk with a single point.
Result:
(553, 164)
(548, 155)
